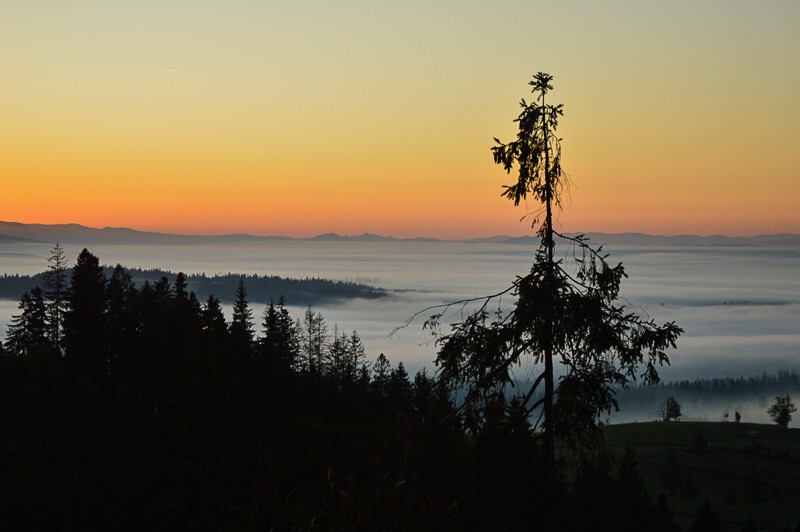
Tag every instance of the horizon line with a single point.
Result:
(390, 236)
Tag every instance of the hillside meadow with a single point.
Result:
(729, 463)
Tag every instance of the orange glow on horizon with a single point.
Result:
(275, 122)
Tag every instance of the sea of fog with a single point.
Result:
(739, 306)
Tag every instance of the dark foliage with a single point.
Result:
(261, 288)
(781, 410)
(160, 415)
(568, 325)
(669, 409)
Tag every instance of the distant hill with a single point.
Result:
(12, 232)
(368, 237)
(82, 235)
(79, 234)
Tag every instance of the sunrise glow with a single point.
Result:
(359, 117)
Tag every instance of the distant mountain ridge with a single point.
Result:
(14, 232)
(79, 234)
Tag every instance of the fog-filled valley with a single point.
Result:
(739, 304)
(334, 416)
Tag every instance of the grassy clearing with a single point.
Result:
(728, 463)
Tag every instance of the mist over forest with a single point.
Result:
(737, 298)
(355, 350)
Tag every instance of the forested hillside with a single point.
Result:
(143, 408)
(261, 288)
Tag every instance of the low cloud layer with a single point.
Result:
(739, 306)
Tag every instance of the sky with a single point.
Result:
(278, 118)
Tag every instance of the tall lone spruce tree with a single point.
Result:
(567, 322)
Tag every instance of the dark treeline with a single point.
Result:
(143, 408)
(260, 288)
(704, 394)
(759, 384)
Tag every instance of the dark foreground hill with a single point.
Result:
(743, 469)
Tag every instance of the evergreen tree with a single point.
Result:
(215, 337)
(566, 312)
(27, 331)
(163, 290)
(185, 306)
(18, 335)
(84, 323)
(280, 344)
(241, 328)
(164, 331)
(355, 359)
(204, 440)
(337, 353)
(424, 387)
(399, 385)
(381, 372)
(121, 323)
(181, 288)
(315, 338)
(184, 314)
(56, 290)
(146, 376)
(274, 365)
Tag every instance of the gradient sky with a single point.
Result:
(377, 116)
